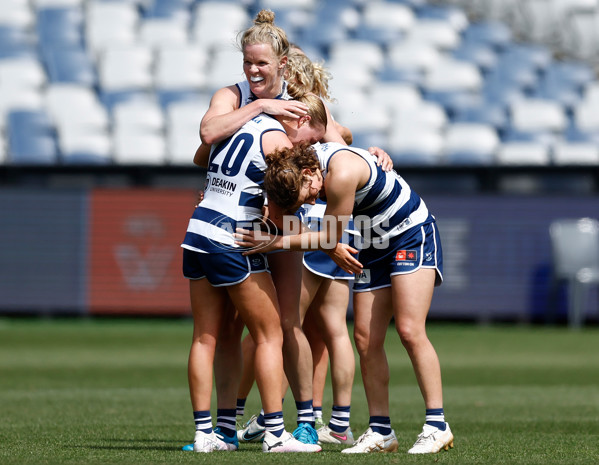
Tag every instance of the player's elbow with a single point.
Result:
(208, 136)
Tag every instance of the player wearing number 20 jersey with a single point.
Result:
(234, 194)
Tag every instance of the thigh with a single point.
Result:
(309, 288)
(208, 306)
(331, 302)
(372, 314)
(412, 296)
(286, 269)
(256, 301)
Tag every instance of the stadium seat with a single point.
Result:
(31, 138)
(60, 27)
(482, 55)
(22, 71)
(501, 92)
(158, 32)
(576, 153)
(138, 115)
(436, 32)
(454, 16)
(486, 113)
(564, 81)
(125, 68)
(179, 67)
(470, 143)
(139, 148)
(591, 91)
(75, 108)
(575, 260)
(282, 4)
(84, 146)
(17, 13)
(395, 95)
(16, 41)
(216, 23)
(449, 75)
(538, 115)
(494, 33)
(388, 16)
(110, 24)
(357, 53)
(226, 68)
(183, 129)
(523, 153)
(427, 115)
(417, 146)
(168, 9)
(586, 116)
(18, 98)
(70, 65)
(411, 55)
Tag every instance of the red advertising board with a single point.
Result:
(135, 251)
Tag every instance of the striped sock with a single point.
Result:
(274, 423)
(241, 407)
(339, 418)
(203, 421)
(305, 413)
(260, 419)
(381, 425)
(317, 413)
(435, 417)
(225, 420)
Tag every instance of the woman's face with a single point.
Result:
(263, 70)
(301, 130)
(311, 188)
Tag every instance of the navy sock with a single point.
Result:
(339, 418)
(381, 425)
(240, 407)
(203, 421)
(274, 423)
(305, 413)
(260, 419)
(435, 417)
(225, 420)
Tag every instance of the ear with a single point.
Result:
(283, 62)
(304, 120)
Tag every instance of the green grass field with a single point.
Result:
(115, 391)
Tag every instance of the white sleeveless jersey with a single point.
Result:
(234, 190)
(246, 95)
(386, 206)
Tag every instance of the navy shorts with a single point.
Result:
(222, 269)
(418, 247)
(321, 264)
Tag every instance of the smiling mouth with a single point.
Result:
(256, 78)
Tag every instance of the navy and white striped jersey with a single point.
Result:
(246, 95)
(234, 190)
(386, 206)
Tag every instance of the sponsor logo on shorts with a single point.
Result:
(363, 276)
(406, 256)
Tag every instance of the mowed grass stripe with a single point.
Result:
(115, 391)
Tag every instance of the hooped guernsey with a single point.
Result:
(386, 206)
(234, 192)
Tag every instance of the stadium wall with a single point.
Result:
(106, 251)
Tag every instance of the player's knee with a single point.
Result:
(409, 334)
